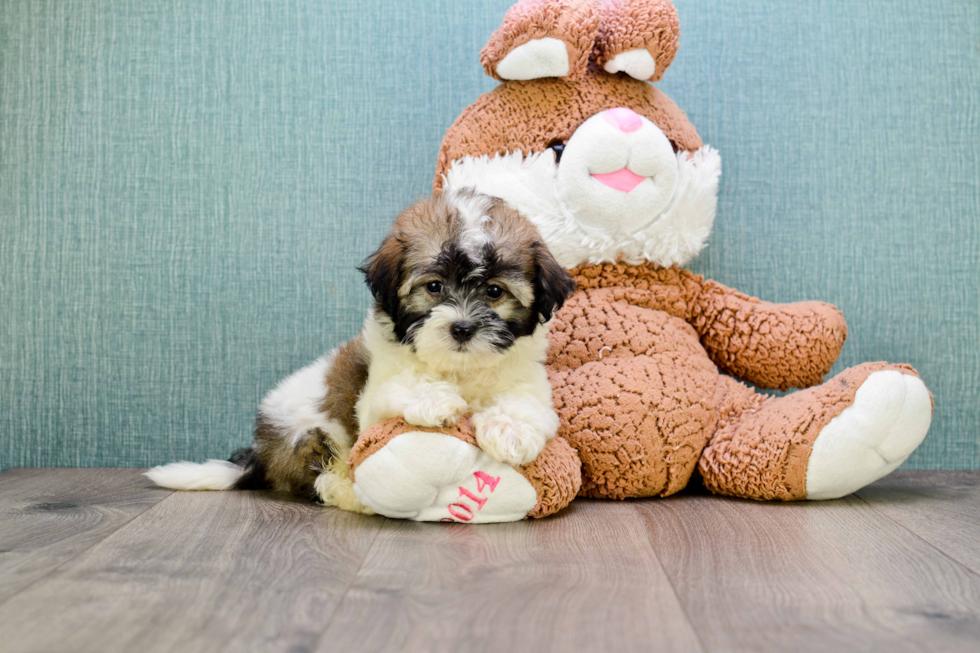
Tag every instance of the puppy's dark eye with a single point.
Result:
(494, 291)
(559, 149)
(434, 287)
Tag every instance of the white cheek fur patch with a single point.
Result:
(435, 477)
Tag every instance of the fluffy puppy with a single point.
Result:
(464, 288)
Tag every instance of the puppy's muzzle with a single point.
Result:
(462, 331)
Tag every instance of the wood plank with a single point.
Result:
(943, 508)
(201, 571)
(820, 576)
(48, 516)
(584, 580)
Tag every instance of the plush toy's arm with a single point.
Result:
(770, 345)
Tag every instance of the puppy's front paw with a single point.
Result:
(435, 408)
(507, 440)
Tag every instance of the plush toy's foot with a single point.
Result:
(406, 472)
(872, 437)
(820, 443)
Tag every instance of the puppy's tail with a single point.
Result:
(240, 472)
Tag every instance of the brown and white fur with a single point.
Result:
(464, 287)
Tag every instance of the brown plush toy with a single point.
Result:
(647, 359)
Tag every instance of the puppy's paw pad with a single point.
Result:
(436, 409)
(506, 440)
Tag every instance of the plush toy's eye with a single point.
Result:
(434, 287)
(558, 147)
(494, 291)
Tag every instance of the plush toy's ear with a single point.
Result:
(637, 37)
(382, 273)
(542, 38)
(552, 283)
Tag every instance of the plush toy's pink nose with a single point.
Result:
(623, 119)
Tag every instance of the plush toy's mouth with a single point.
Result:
(623, 180)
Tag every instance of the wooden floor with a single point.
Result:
(97, 560)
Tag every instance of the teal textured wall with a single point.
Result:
(187, 185)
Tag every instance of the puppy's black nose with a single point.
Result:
(462, 331)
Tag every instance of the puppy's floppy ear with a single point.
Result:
(552, 283)
(383, 272)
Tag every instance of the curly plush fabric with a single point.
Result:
(635, 393)
(574, 22)
(762, 445)
(530, 116)
(771, 345)
(555, 474)
(633, 361)
(651, 25)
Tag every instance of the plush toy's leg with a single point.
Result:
(820, 443)
(407, 472)
(640, 423)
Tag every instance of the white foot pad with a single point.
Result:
(435, 477)
(889, 418)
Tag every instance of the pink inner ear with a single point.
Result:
(623, 119)
(622, 180)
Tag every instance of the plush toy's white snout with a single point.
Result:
(623, 119)
(619, 192)
(618, 172)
